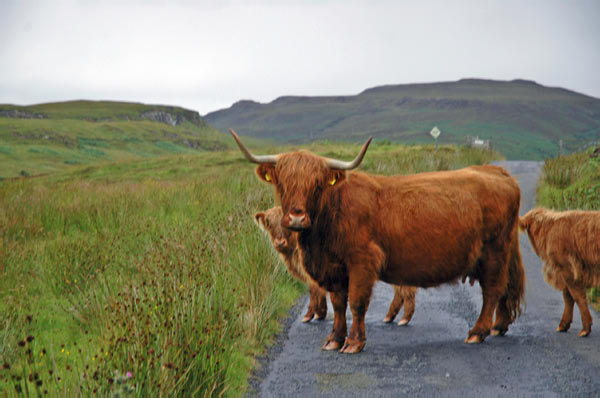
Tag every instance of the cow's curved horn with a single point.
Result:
(249, 155)
(339, 165)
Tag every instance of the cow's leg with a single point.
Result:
(567, 316)
(339, 301)
(359, 295)
(503, 318)
(493, 278)
(484, 323)
(409, 294)
(321, 306)
(395, 305)
(578, 294)
(314, 293)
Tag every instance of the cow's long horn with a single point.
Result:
(339, 165)
(249, 155)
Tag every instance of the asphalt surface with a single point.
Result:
(428, 357)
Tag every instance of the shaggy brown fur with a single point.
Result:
(418, 230)
(569, 245)
(285, 243)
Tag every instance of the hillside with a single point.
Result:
(45, 138)
(524, 120)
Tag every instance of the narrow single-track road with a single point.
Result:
(428, 357)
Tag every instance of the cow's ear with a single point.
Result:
(524, 224)
(266, 172)
(335, 177)
(259, 218)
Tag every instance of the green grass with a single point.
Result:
(569, 183)
(152, 267)
(99, 110)
(86, 132)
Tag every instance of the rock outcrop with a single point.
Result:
(173, 118)
(18, 114)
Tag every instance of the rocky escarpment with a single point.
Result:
(18, 114)
(173, 118)
(163, 117)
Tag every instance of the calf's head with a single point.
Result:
(283, 239)
(533, 223)
(300, 178)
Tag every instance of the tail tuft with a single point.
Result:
(515, 291)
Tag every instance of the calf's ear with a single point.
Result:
(259, 218)
(266, 172)
(523, 224)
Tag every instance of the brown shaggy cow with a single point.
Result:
(285, 242)
(569, 245)
(417, 230)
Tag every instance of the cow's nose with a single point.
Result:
(296, 219)
(280, 242)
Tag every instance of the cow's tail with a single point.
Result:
(515, 290)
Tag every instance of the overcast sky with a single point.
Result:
(206, 55)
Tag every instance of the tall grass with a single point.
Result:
(570, 182)
(164, 278)
(149, 278)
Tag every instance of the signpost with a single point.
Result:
(435, 133)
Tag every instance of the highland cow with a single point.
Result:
(569, 245)
(285, 242)
(417, 230)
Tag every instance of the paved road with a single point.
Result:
(428, 357)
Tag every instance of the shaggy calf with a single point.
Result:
(569, 245)
(285, 243)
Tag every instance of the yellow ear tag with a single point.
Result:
(267, 177)
(332, 182)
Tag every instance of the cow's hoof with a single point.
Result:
(331, 345)
(307, 318)
(584, 333)
(352, 347)
(562, 328)
(474, 339)
(498, 332)
(388, 319)
(403, 322)
(320, 315)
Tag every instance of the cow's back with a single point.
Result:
(569, 241)
(431, 224)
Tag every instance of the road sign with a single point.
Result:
(435, 133)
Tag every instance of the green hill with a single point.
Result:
(524, 120)
(45, 138)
